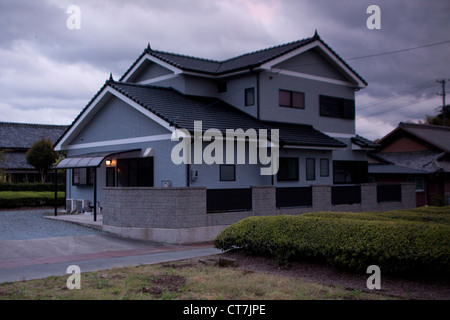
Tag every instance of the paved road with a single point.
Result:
(32, 247)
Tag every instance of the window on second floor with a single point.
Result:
(249, 97)
(291, 99)
(337, 107)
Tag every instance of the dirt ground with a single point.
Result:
(431, 288)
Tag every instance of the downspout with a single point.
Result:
(257, 94)
(187, 174)
(95, 193)
(56, 192)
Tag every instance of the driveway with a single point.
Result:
(32, 246)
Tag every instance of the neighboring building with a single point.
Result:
(122, 138)
(418, 153)
(15, 140)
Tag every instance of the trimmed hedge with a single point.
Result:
(17, 199)
(30, 187)
(346, 240)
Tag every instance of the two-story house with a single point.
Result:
(301, 91)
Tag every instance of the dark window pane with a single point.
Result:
(324, 167)
(122, 173)
(349, 109)
(222, 87)
(285, 98)
(228, 172)
(310, 169)
(249, 96)
(288, 169)
(298, 100)
(145, 169)
(110, 177)
(337, 107)
(350, 171)
(135, 172)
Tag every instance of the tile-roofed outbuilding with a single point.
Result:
(438, 136)
(23, 135)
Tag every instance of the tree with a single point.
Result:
(439, 119)
(41, 156)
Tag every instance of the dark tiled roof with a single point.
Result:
(364, 143)
(303, 135)
(244, 61)
(181, 111)
(15, 160)
(393, 169)
(23, 135)
(419, 160)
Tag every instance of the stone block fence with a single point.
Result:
(184, 215)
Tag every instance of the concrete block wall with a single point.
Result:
(159, 211)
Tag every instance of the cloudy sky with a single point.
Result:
(49, 72)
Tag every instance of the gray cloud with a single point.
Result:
(45, 65)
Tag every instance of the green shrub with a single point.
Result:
(30, 186)
(348, 241)
(428, 214)
(16, 199)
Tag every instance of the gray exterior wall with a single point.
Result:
(149, 70)
(117, 120)
(312, 62)
(302, 155)
(235, 94)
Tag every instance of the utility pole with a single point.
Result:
(444, 111)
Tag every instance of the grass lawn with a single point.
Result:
(15, 199)
(184, 280)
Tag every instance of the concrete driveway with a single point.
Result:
(33, 246)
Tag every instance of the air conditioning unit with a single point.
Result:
(70, 205)
(81, 205)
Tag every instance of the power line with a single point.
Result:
(416, 88)
(375, 54)
(395, 108)
(397, 51)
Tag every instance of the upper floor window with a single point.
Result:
(291, 99)
(337, 107)
(249, 97)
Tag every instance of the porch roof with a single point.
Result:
(90, 160)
